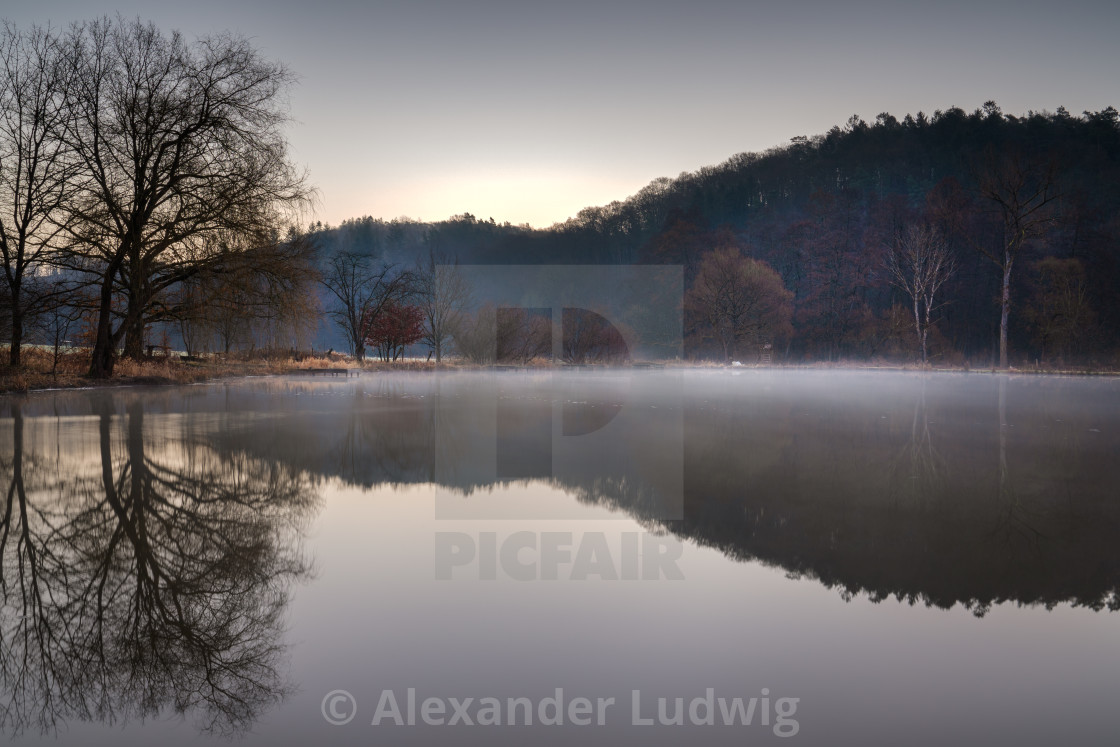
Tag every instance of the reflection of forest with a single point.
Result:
(934, 496)
(148, 539)
(141, 571)
(938, 490)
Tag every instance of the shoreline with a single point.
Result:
(175, 373)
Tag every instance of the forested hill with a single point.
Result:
(822, 210)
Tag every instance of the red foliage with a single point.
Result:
(394, 328)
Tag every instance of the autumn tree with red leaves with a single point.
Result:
(394, 329)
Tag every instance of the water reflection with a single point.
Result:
(918, 474)
(921, 489)
(939, 490)
(142, 571)
(149, 540)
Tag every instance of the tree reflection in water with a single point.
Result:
(940, 490)
(146, 552)
(145, 575)
(931, 490)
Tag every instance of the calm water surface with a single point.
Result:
(850, 558)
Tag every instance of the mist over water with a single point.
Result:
(902, 557)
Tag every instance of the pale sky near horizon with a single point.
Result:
(527, 112)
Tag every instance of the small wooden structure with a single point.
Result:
(766, 353)
(329, 371)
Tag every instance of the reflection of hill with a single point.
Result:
(890, 485)
(916, 491)
(939, 490)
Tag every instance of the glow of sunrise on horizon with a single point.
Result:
(537, 199)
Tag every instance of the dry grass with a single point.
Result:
(36, 373)
(36, 369)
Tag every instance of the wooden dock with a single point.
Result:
(327, 371)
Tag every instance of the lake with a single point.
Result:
(662, 557)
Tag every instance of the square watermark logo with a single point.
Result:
(601, 419)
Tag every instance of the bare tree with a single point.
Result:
(175, 142)
(1024, 192)
(288, 312)
(1061, 314)
(504, 335)
(737, 300)
(194, 318)
(521, 335)
(34, 170)
(362, 290)
(588, 337)
(264, 292)
(476, 336)
(918, 263)
(55, 324)
(442, 292)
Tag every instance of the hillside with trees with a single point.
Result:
(1024, 208)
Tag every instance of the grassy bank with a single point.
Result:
(40, 371)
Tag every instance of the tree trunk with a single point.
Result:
(134, 314)
(104, 356)
(918, 330)
(1005, 309)
(17, 331)
(928, 307)
(134, 334)
(57, 348)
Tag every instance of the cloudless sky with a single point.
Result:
(528, 111)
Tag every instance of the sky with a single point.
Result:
(527, 112)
